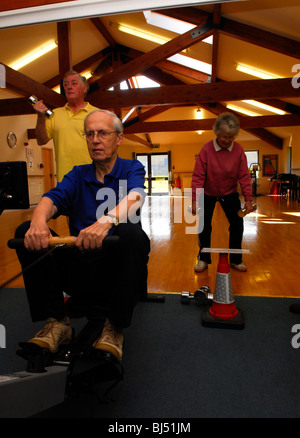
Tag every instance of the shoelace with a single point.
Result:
(110, 333)
(45, 330)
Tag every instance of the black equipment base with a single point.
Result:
(236, 323)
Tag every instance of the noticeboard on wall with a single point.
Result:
(270, 165)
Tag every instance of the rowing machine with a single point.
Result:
(75, 367)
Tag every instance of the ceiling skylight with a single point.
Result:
(139, 81)
(195, 64)
(172, 24)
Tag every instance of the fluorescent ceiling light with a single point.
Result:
(177, 58)
(172, 24)
(87, 74)
(265, 107)
(242, 110)
(32, 56)
(255, 72)
(128, 114)
(142, 34)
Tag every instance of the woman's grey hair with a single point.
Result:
(227, 122)
(118, 126)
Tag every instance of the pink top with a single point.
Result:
(219, 171)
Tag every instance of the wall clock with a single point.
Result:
(11, 140)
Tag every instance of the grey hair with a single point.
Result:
(82, 79)
(227, 122)
(118, 126)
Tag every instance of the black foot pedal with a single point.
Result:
(90, 368)
(37, 357)
(154, 298)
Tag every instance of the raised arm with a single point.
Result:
(40, 129)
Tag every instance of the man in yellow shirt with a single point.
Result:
(65, 127)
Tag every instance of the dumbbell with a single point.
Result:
(33, 100)
(201, 296)
(243, 211)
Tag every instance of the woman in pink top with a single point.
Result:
(220, 166)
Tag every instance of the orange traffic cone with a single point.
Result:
(223, 312)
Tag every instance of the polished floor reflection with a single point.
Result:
(272, 234)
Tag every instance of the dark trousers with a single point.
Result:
(112, 278)
(231, 205)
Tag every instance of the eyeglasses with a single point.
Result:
(101, 133)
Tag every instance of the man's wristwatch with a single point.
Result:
(115, 220)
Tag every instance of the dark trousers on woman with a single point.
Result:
(112, 278)
(231, 205)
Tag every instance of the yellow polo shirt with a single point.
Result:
(66, 130)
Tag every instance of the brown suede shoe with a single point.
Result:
(240, 267)
(54, 334)
(200, 266)
(111, 340)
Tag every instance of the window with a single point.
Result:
(252, 157)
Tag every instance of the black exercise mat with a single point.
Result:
(176, 368)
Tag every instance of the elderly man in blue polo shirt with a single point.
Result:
(100, 199)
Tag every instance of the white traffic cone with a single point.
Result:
(223, 312)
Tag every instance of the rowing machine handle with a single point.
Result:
(67, 241)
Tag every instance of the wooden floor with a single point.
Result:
(272, 234)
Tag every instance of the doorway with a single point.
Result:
(157, 167)
(48, 164)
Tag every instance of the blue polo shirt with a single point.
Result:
(84, 199)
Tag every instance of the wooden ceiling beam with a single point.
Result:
(158, 54)
(215, 52)
(106, 65)
(137, 139)
(246, 122)
(82, 65)
(154, 73)
(192, 15)
(142, 116)
(148, 138)
(25, 86)
(161, 77)
(170, 66)
(103, 31)
(262, 38)
(258, 127)
(266, 136)
(14, 107)
(197, 93)
(64, 48)
(245, 32)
